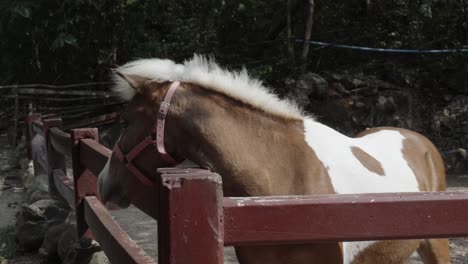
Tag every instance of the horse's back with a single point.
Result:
(422, 157)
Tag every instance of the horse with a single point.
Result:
(230, 123)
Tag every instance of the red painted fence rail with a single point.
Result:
(196, 221)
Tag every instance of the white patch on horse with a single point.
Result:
(349, 176)
(352, 249)
(103, 177)
(209, 75)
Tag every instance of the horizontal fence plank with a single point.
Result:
(55, 99)
(93, 155)
(67, 109)
(301, 219)
(94, 121)
(55, 87)
(36, 91)
(64, 185)
(37, 127)
(41, 160)
(118, 246)
(60, 141)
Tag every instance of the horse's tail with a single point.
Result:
(435, 251)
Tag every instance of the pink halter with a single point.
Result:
(158, 130)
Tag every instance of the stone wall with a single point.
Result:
(46, 224)
(351, 103)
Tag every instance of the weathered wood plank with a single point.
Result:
(60, 141)
(191, 204)
(301, 219)
(93, 155)
(37, 127)
(36, 91)
(55, 99)
(117, 245)
(64, 186)
(95, 121)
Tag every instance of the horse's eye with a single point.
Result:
(124, 123)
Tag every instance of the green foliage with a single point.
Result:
(78, 40)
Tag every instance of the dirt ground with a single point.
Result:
(143, 228)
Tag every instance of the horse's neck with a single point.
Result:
(256, 154)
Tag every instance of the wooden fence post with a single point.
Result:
(16, 117)
(29, 133)
(190, 225)
(85, 182)
(55, 160)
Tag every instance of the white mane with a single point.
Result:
(206, 73)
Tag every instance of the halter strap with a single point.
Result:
(158, 129)
(161, 121)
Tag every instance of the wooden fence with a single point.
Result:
(195, 221)
(74, 102)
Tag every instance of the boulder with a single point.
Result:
(61, 233)
(67, 240)
(32, 213)
(312, 84)
(82, 251)
(33, 195)
(30, 234)
(52, 209)
(99, 258)
(309, 84)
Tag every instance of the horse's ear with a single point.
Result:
(135, 81)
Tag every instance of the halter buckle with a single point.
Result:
(163, 109)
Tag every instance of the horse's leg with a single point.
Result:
(386, 252)
(435, 251)
(318, 253)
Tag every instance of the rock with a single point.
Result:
(360, 104)
(385, 104)
(82, 251)
(456, 160)
(30, 234)
(71, 218)
(53, 236)
(43, 204)
(336, 77)
(67, 240)
(309, 84)
(352, 83)
(312, 84)
(340, 88)
(41, 182)
(358, 83)
(52, 209)
(34, 195)
(99, 258)
(27, 178)
(32, 213)
(56, 212)
(289, 81)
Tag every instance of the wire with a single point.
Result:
(413, 51)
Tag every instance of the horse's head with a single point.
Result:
(220, 120)
(134, 157)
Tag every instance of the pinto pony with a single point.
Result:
(229, 123)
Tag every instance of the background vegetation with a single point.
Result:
(78, 40)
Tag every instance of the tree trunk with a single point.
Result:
(308, 32)
(289, 31)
